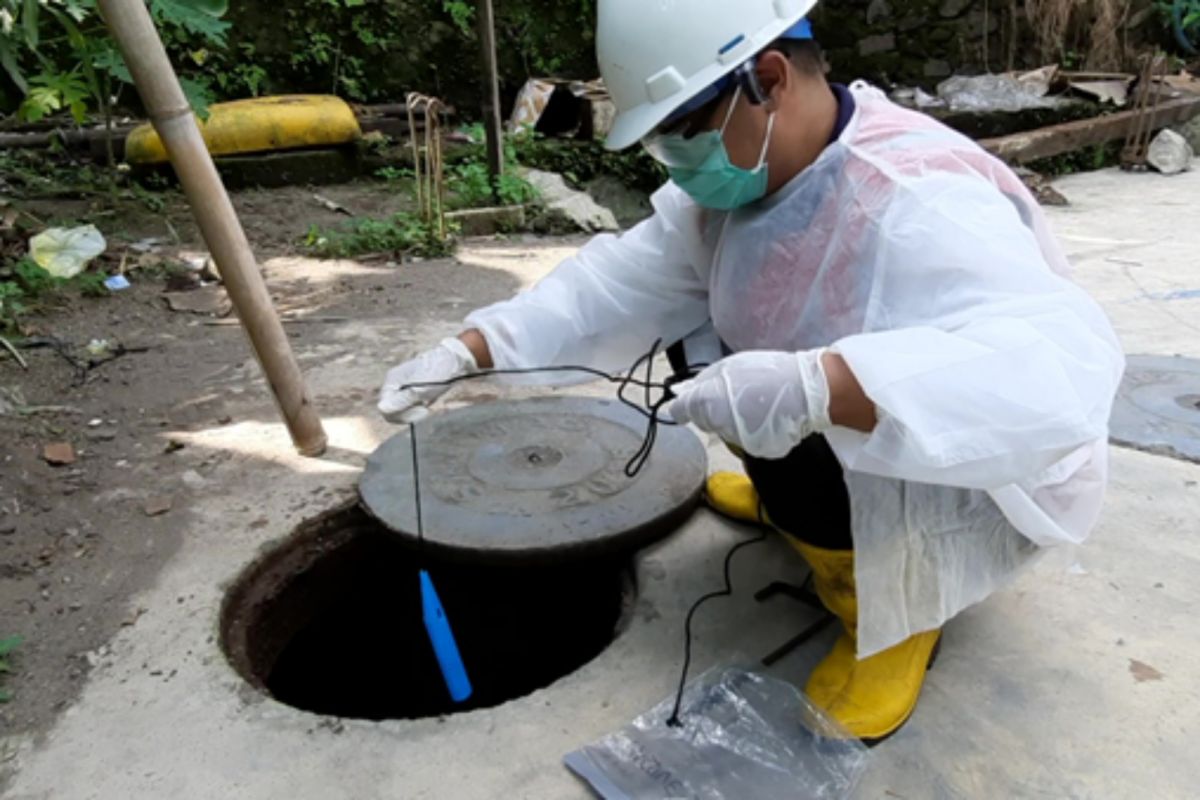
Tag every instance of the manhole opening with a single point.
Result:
(330, 622)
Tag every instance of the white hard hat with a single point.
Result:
(655, 55)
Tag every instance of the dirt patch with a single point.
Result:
(275, 220)
(79, 540)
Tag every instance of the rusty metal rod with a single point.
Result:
(135, 34)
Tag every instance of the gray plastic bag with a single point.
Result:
(744, 736)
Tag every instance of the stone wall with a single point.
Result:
(911, 42)
(920, 41)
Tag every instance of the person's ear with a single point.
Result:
(774, 73)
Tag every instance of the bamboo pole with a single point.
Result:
(135, 34)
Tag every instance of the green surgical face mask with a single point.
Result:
(701, 166)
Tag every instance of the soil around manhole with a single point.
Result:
(330, 622)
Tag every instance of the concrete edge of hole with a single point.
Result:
(263, 579)
(252, 648)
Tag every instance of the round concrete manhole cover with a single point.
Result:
(535, 479)
(1158, 407)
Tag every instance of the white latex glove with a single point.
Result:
(450, 359)
(766, 403)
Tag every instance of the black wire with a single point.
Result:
(412, 429)
(673, 720)
(652, 410)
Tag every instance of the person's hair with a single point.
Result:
(805, 54)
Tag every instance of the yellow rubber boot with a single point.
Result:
(873, 697)
(733, 495)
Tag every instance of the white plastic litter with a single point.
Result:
(66, 252)
(993, 93)
(116, 283)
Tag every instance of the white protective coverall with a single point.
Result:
(929, 267)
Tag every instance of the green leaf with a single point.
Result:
(74, 36)
(214, 8)
(79, 11)
(8, 645)
(198, 94)
(38, 103)
(29, 21)
(201, 17)
(109, 60)
(5, 696)
(9, 62)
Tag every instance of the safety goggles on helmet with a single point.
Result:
(743, 76)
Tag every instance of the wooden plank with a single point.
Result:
(1021, 148)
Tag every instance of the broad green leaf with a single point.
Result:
(8, 645)
(5, 696)
(201, 17)
(29, 20)
(107, 59)
(214, 8)
(9, 62)
(78, 11)
(198, 95)
(39, 102)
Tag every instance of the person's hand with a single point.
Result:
(449, 360)
(766, 403)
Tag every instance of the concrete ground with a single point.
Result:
(1080, 681)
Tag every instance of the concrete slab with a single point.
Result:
(1079, 681)
(1134, 241)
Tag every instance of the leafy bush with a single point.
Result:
(467, 176)
(400, 233)
(59, 56)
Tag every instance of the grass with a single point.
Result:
(24, 285)
(7, 646)
(1088, 159)
(399, 233)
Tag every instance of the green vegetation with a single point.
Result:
(7, 646)
(1088, 159)
(1182, 18)
(470, 186)
(24, 286)
(582, 161)
(399, 233)
(467, 178)
(58, 56)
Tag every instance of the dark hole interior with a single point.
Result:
(343, 634)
